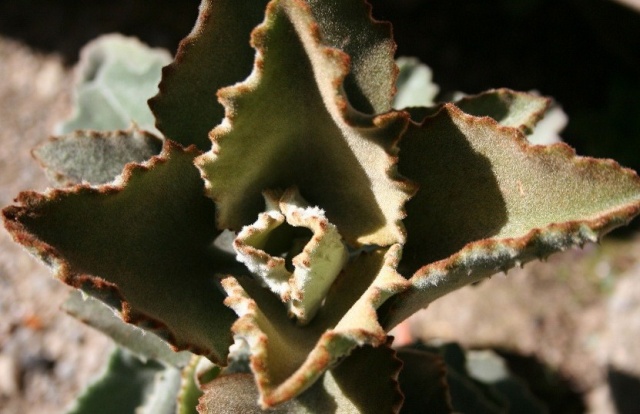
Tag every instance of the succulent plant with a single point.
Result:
(258, 249)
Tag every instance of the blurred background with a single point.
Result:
(577, 315)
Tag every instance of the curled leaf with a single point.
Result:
(319, 262)
(286, 358)
(291, 123)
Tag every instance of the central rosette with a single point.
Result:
(294, 251)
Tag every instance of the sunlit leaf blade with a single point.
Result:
(214, 55)
(286, 358)
(126, 385)
(489, 201)
(290, 124)
(349, 27)
(94, 157)
(143, 344)
(365, 382)
(115, 77)
(143, 245)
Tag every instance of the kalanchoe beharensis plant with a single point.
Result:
(288, 214)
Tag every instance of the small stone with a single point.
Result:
(9, 375)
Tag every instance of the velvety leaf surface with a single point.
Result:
(316, 262)
(143, 344)
(286, 358)
(290, 124)
(125, 385)
(509, 108)
(94, 157)
(489, 201)
(215, 54)
(365, 382)
(115, 77)
(143, 245)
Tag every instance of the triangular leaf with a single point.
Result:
(489, 201)
(94, 157)
(215, 54)
(291, 124)
(143, 245)
(115, 77)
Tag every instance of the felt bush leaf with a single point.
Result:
(365, 382)
(115, 77)
(341, 159)
(143, 245)
(504, 203)
(287, 358)
(94, 157)
(215, 54)
(415, 87)
(144, 345)
(129, 385)
(351, 214)
(317, 261)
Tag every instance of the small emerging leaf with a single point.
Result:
(315, 267)
(286, 358)
(415, 86)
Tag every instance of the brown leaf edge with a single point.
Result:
(480, 259)
(100, 288)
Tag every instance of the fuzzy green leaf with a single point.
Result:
(100, 316)
(365, 382)
(129, 385)
(509, 108)
(115, 77)
(143, 245)
(490, 200)
(94, 157)
(286, 358)
(291, 124)
(214, 55)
